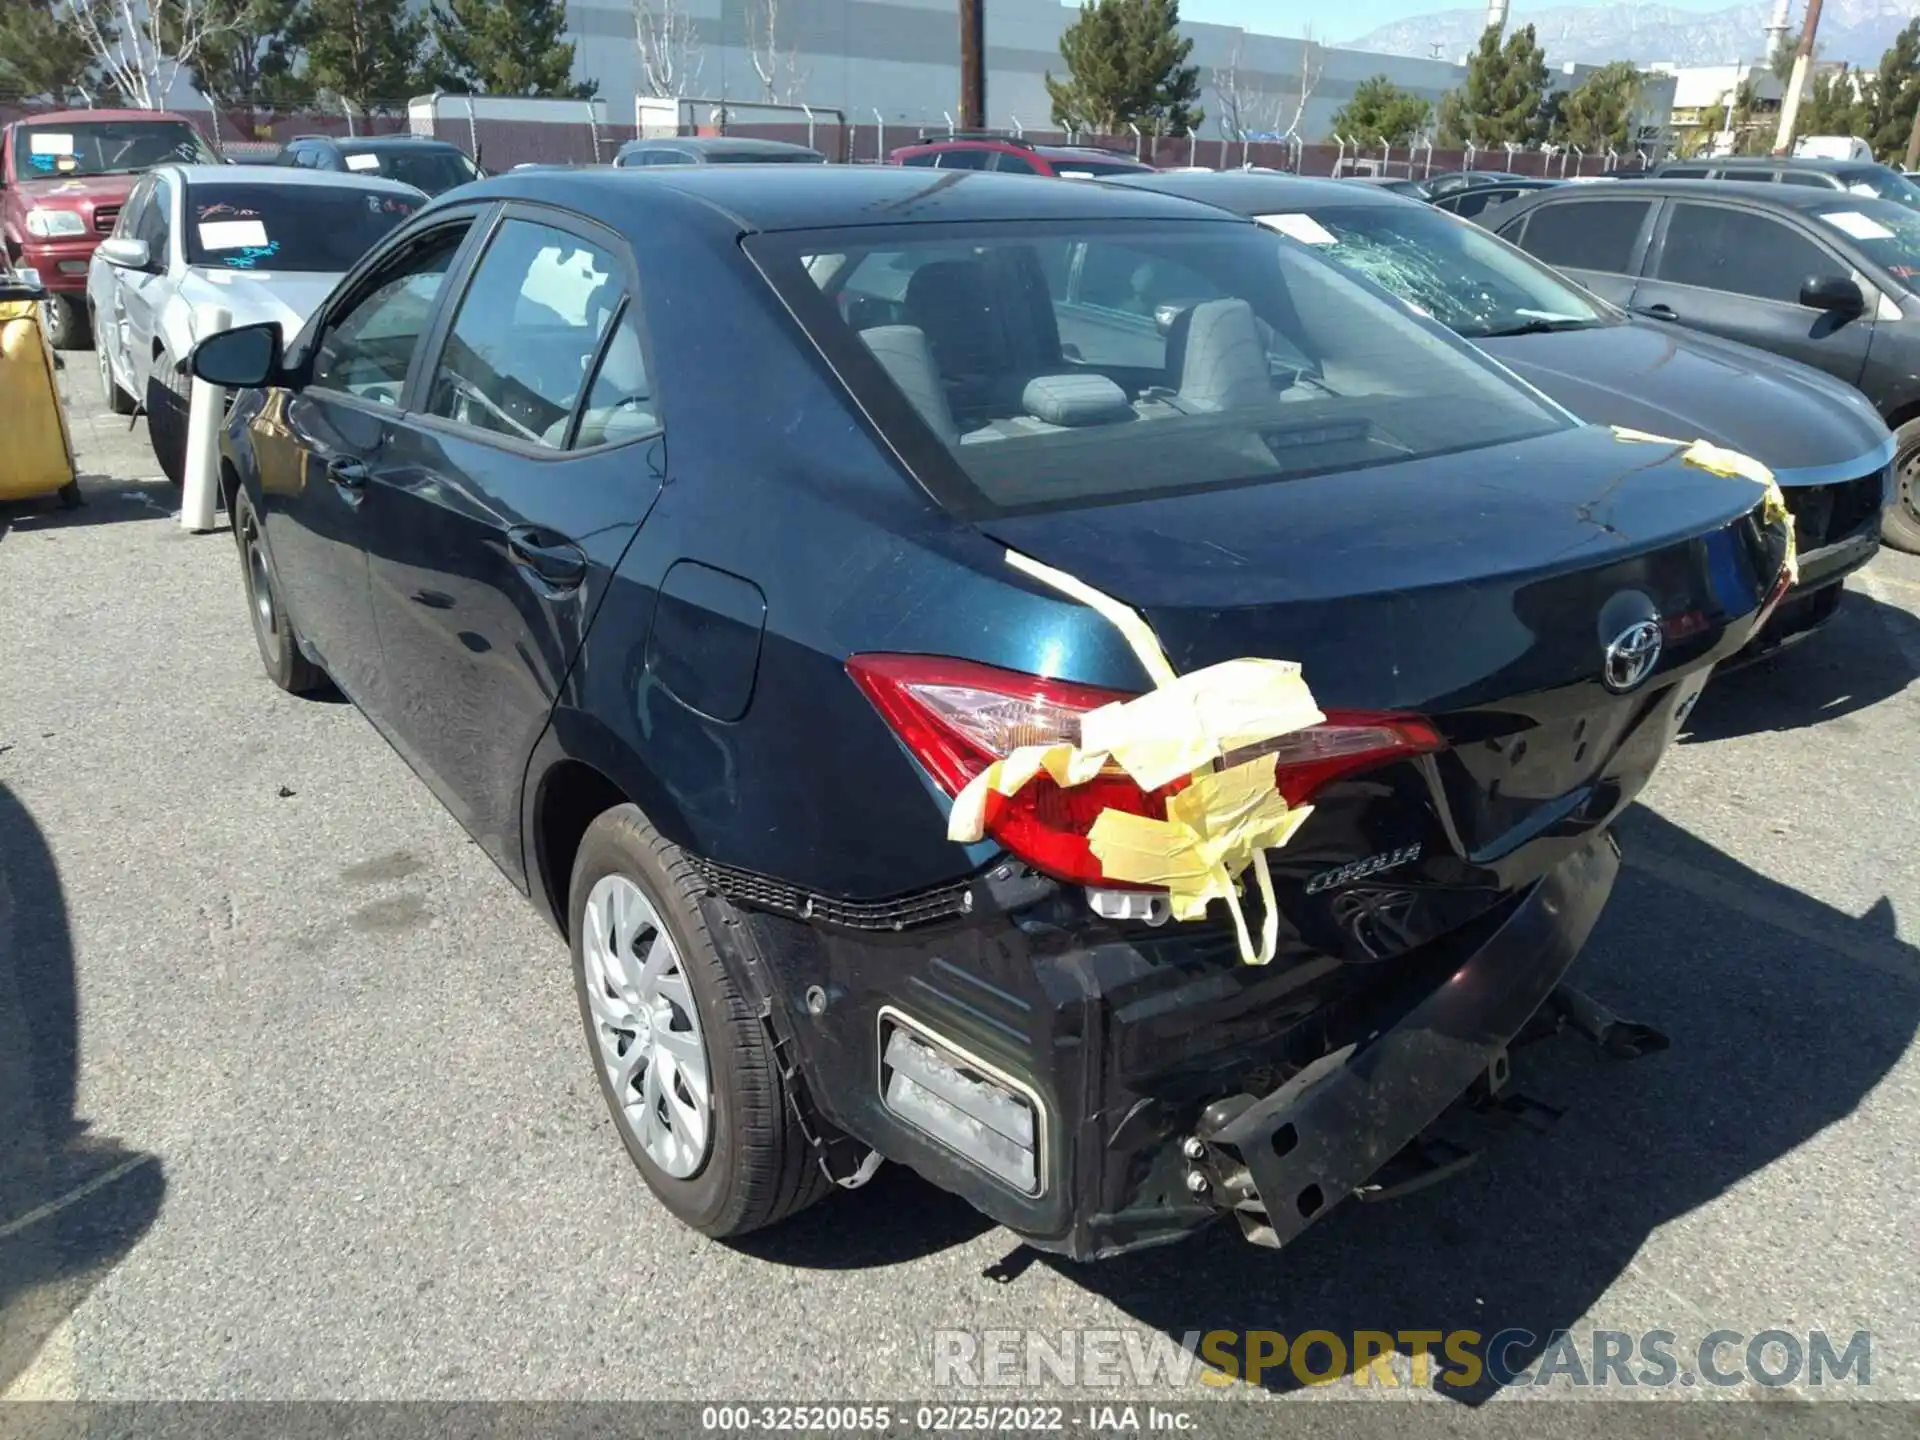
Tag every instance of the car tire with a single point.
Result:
(167, 421)
(1900, 526)
(117, 401)
(273, 629)
(66, 322)
(750, 1164)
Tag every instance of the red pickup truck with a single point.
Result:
(63, 177)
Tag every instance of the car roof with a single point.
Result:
(1783, 197)
(1249, 193)
(717, 145)
(381, 142)
(820, 197)
(1774, 162)
(81, 117)
(284, 178)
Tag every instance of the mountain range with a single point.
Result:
(1857, 31)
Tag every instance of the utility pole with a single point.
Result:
(1913, 142)
(973, 64)
(1802, 62)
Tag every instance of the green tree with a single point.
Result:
(1505, 95)
(1127, 65)
(246, 54)
(1780, 62)
(1381, 113)
(1834, 105)
(41, 56)
(1597, 114)
(1892, 98)
(506, 47)
(368, 52)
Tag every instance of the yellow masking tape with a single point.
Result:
(1718, 460)
(1124, 618)
(1222, 821)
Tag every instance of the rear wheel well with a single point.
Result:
(1900, 416)
(572, 796)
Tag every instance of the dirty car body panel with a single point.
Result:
(853, 506)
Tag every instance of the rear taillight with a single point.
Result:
(957, 717)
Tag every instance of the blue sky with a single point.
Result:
(1349, 18)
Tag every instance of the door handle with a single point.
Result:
(1658, 312)
(347, 474)
(554, 558)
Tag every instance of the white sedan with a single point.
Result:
(261, 244)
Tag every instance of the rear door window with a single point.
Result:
(1007, 161)
(965, 159)
(1739, 251)
(1587, 234)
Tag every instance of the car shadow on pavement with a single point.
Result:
(1866, 653)
(72, 1202)
(109, 501)
(1784, 1013)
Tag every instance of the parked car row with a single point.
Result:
(1822, 277)
(789, 741)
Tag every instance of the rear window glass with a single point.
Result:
(1060, 364)
(1883, 183)
(765, 157)
(323, 228)
(428, 169)
(1081, 167)
(1886, 233)
(1586, 234)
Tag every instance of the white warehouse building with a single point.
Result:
(900, 58)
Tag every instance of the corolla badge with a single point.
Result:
(1631, 656)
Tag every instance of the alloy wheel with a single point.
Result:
(1908, 478)
(646, 1028)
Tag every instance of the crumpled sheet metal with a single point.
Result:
(1222, 821)
(1718, 460)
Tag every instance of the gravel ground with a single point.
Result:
(302, 1072)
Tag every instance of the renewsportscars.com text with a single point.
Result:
(1459, 1359)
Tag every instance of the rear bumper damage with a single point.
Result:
(1100, 1088)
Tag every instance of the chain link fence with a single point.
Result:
(249, 135)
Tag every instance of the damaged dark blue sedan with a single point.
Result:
(685, 532)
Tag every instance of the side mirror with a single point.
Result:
(1836, 294)
(241, 359)
(126, 253)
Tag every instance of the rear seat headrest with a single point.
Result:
(1075, 400)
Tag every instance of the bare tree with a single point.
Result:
(671, 55)
(1293, 101)
(778, 68)
(1245, 108)
(128, 40)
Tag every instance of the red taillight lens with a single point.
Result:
(957, 717)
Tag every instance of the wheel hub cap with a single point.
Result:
(646, 1030)
(262, 588)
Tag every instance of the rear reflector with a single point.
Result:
(967, 1106)
(957, 717)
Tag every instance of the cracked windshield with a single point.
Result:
(1475, 285)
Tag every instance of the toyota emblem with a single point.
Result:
(1631, 656)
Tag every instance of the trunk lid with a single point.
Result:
(1481, 590)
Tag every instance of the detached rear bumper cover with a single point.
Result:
(1321, 1135)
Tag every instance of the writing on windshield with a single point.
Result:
(76, 149)
(321, 228)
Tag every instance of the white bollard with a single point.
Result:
(200, 484)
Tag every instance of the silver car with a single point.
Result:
(260, 244)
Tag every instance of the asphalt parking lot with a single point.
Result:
(293, 1102)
